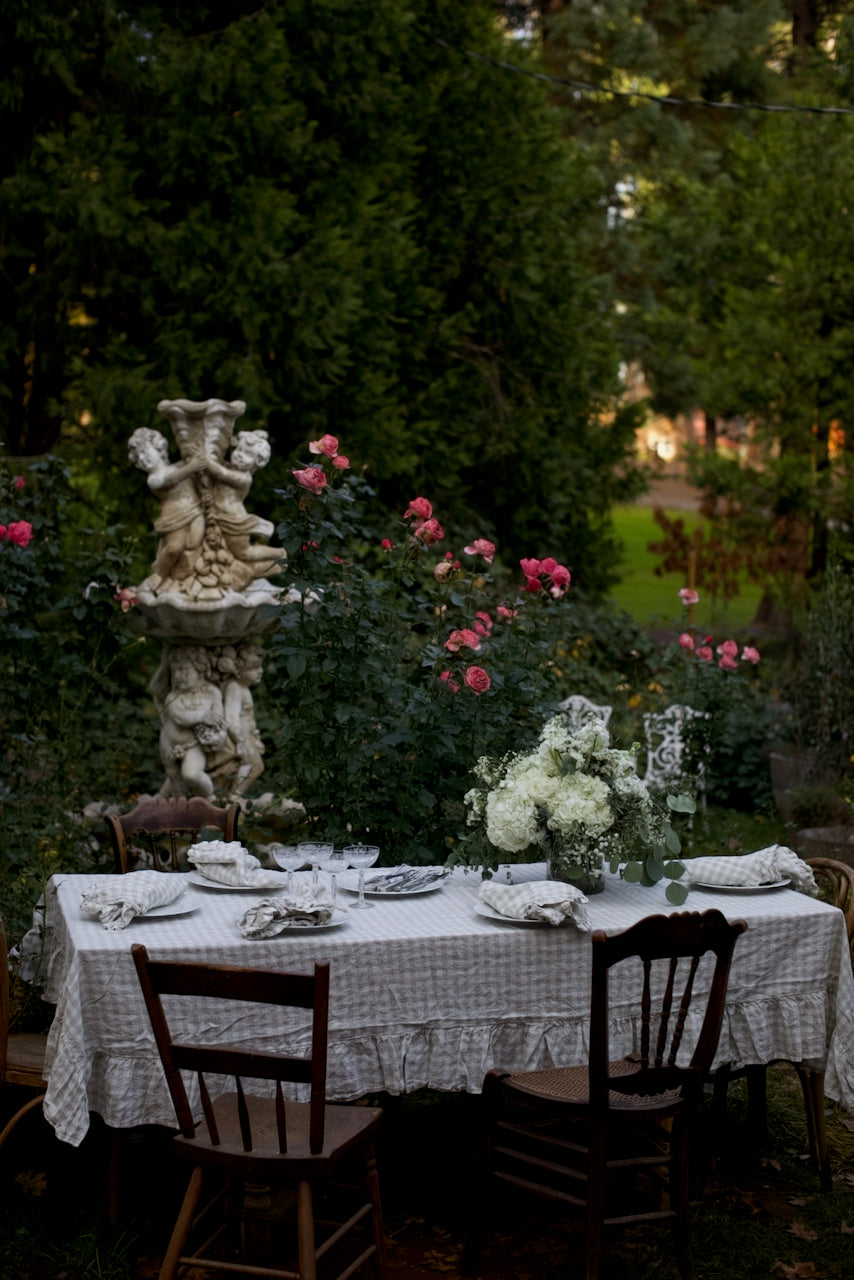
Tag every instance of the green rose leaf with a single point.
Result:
(296, 665)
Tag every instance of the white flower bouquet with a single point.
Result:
(578, 802)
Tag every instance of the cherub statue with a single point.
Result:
(181, 522)
(192, 717)
(238, 670)
(251, 451)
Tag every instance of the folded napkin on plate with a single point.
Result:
(230, 863)
(763, 867)
(117, 899)
(273, 915)
(548, 900)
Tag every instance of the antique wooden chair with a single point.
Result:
(263, 1140)
(567, 1133)
(836, 881)
(577, 710)
(166, 826)
(21, 1054)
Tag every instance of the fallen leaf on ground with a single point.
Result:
(32, 1184)
(845, 1229)
(796, 1270)
(801, 1231)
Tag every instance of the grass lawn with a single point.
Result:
(651, 599)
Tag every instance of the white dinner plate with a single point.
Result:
(484, 909)
(350, 882)
(742, 888)
(338, 918)
(196, 877)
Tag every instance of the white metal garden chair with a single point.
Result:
(578, 710)
(665, 747)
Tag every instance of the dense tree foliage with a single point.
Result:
(318, 208)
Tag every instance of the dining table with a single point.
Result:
(428, 990)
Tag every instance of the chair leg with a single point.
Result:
(490, 1102)
(812, 1085)
(372, 1184)
(19, 1115)
(595, 1201)
(181, 1230)
(757, 1103)
(680, 1196)
(305, 1233)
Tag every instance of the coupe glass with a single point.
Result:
(314, 852)
(333, 863)
(361, 856)
(289, 858)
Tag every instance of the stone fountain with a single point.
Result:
(207, 596)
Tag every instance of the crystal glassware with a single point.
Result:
(333, 863)
(314, 852)
(289, 858)
(361, 856)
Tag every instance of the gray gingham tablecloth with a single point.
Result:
(426, 992)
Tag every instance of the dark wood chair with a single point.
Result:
(166, 827)
(21, 1054)
(836, 884)
(263, 1140)
(568, 1133)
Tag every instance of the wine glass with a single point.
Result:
(333, 863)
(290, 859)
(313, 852)
(361, 856)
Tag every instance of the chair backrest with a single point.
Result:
(664, 732)
(577, 710)
(670, 949)
(838, 878)
(167, 824)
(259, 986)
(4, 1001)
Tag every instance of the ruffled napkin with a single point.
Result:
(274, 915)
(117, 899)
(550, 901)
(230, 863)
(763, 867)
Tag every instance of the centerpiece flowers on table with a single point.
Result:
(577, 802)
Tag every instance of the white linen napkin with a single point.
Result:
(230, 863)
(273, 915)
(117, 899)
(762, 867)
(551, 901)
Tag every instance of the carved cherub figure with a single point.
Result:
(193, 726)
(181, 522)
(251, 451)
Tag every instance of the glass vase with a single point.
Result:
(560, 865)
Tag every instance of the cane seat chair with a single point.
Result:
(568, 1133)
(155, 832)
(259, 1140)
(21, 1053)
(836, 885)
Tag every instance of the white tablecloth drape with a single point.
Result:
(425, 992)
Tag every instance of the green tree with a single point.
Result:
(322, 210)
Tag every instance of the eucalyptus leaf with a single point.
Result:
(676, 893)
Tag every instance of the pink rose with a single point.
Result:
(477, 680)
(430, 531)
(505, 614)
(341, 462)
(464, 638)
(482, 547)
(386, 544)
(532, 584)
(557, 592)
(686, 640)
(530, 568)
(327, 445)
(19, 482)
(704, 653)
(20, 532)
(729, 649)
(2, 532)
(688, 596)
(548, 565)
(483, 617)
(442, 570)
(126, 598)
(560, 576)
(312, 478)
(749, 654)
(419, 507)
(452, 684)
(727, 663)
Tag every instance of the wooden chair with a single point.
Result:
(577, 710)
(561, 1132)
(167, 826)
(21, 1054)
(263, 1140)
(836, 880)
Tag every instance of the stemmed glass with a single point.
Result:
(361, 856)
(290, 859)
(333, 863)
(314, 852)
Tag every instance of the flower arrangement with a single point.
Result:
(578, 801)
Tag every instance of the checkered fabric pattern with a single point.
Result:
(428, 993)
